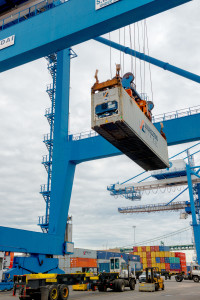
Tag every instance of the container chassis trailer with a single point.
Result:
(56, 286)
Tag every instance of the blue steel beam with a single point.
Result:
(149, 59)
(62, 168)
(195, 225)
(178, 131)
(16, 240)
(72, 23)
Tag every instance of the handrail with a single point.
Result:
(157, 118)
(29, 12)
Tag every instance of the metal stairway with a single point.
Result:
(48, 140)
(45, 189)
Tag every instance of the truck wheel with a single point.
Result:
(156, 287)
(132, 284)
(63, 292)
(179, 278)
(163, 287)
(102, 288)
(53, 292)
(196, 278)
(121, 285)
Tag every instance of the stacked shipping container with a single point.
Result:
(81, 260)
(160, 257)
(84, 259)
(182, 258)
(141, 258)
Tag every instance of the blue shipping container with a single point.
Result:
(104, 267)
(157, 260)
(126, 257)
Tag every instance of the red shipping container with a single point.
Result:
(78, 262)
(148, 254)
(183, 265)
(152, 248)
(181, 255)
(148, 261)
(162, 260)
(149, 265)
(167, 267)
(143, 248)
(135, 249)
(157, 249)
(141, 260)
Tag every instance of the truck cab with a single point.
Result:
(119, 265)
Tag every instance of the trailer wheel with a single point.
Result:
(132, 284)
(63, 292)
(53, 292)
(156, 287)
(196, 278)
(163, 287)
(121, 285)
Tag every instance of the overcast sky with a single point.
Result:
(173, 37)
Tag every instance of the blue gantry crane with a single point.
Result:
(179, 174)
(39, 31)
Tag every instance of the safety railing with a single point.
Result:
(43, 220)
(158, 118)
(29, 12)
(176, 114)
(43, 188)
(84, 135)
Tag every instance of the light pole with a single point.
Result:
(134, 234)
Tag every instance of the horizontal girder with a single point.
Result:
(178, 131)
(30, 241)
(71, 23)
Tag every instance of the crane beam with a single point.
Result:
(157, 184)
(152, 208)
(149, 59)
(90, 148)
(71, 23)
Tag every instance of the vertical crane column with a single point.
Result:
(62, 168)
(195, 223)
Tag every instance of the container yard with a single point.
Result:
(117, 130)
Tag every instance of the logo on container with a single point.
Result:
(146, 129)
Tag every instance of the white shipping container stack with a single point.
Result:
(64, 261)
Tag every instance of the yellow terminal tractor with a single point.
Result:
(153, 282)
(123, 117)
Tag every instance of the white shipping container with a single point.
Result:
(84, 253)
(129, 130)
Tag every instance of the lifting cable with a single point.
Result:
(124, 46)
(131, 46)
(135, 54)
(110, 56)
(120, 52)
(138, 29)
(144, 62)
(151, 83)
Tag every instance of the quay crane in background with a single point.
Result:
(180, 173)
(24, 38)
